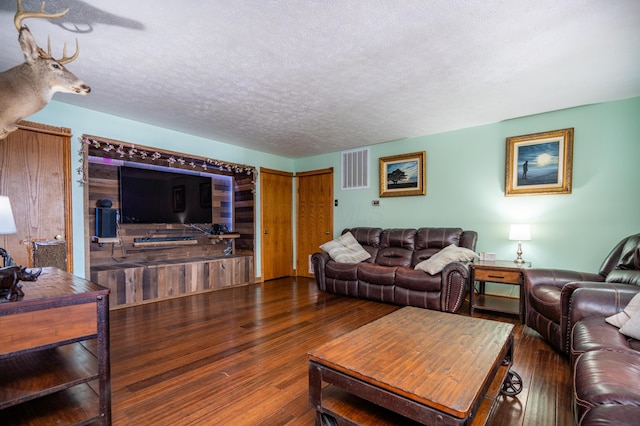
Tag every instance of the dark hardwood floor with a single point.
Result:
(238, 357)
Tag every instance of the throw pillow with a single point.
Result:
(632, 327)
(345, 249)
(438, 261)
(619, 319)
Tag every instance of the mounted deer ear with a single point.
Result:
(28, 45)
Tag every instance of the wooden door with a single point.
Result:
(315, 216)
(276, 213)
(35, 172)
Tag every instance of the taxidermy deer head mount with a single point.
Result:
(27, 88)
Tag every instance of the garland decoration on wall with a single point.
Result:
(128, 152)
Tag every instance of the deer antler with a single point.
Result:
(22, 15)
(64, 59)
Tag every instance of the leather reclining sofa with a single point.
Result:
(605, 362)
(389, 274)
(570, 310)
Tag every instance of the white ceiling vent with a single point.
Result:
(355, 169)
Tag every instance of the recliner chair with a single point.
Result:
(548, 291)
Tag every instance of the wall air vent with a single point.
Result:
(355, 168)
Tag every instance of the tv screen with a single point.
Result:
(154, 196)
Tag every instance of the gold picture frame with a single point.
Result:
(403, 175)
(539, 163)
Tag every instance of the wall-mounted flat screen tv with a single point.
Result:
(156, 196)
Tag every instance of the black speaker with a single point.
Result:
(105, 202)
(106, 222)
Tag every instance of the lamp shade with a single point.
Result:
(520, 232)
(7, 224)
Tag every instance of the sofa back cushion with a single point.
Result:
(369, 239)
(430, 241)
(396, 247)
(625, 255)
(627, 266)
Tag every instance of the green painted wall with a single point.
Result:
(465, 181)
(465, 187)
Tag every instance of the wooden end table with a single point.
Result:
(500, 272)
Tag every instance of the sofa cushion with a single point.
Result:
(412, 279)
(345, 249)
(606, 377)
(437, 238)
(394, 256)
(624, 276)
(369, 238)
(376, 274)
(366, 236)
(438, 261)
(423, 254)
(401, 238)
(341, 271)
(612, 415)
(594, 333)
(619, 319)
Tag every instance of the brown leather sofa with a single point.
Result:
(388, 275)
(548, 291)
(605, 362)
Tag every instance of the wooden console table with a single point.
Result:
(54, 353)
(136, 283)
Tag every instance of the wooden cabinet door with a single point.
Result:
(276, 213)
(315, 216)
(35, 173)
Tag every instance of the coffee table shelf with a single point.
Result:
(352, 410)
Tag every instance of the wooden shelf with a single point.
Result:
(73, 406)
(164, 243)
(223, 236)
(342, 405)
(47, 374)
(35, 374)
(505, 305)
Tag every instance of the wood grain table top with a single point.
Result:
(437, 359)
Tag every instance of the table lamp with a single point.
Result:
(7, 224)
(520, 233)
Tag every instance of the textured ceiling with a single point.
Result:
(299, 78)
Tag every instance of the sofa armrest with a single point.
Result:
(319, 261)
(455, 279)
(555, 277)
(590, 299)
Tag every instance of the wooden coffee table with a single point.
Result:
(427, 366)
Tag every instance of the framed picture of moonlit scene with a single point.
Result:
(539, 164)
(402, 175)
